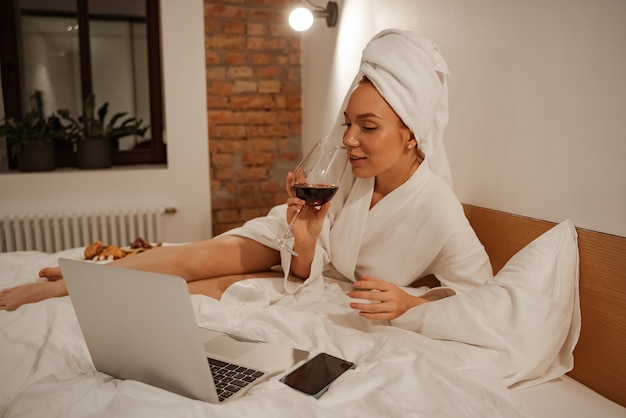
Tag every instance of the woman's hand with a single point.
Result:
(388, 301)
(308, 227)
(305, 230)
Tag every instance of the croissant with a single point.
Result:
(111, 252)
(93, 250)
(96, 251)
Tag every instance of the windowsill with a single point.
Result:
(118, 168)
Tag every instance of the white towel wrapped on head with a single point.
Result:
(411, 75)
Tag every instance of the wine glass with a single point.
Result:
(315, 180)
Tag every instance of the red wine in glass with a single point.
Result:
(315, 181)
(314, 194)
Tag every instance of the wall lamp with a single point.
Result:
(301, 18)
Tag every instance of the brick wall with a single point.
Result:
(253, 104)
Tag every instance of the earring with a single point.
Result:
(410, 146)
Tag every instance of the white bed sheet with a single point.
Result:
(45, 368)
(567, 398)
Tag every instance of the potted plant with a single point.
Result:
(32, 138)
(94, 136)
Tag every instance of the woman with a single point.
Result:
(395, 219)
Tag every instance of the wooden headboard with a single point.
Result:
(600, 355)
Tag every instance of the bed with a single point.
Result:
(46, 370)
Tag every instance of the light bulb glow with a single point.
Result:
(300, 19)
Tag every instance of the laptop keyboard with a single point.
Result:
(230, 378)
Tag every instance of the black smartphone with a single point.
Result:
(315, 376)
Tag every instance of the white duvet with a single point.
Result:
(45, 368)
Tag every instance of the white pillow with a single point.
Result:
(524, 323)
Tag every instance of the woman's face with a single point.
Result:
(376, 139)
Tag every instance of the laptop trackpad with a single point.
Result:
(226, 346)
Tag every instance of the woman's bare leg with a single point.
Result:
(221, 256)
(226, 255)
(11, 299)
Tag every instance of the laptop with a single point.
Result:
(141, 326)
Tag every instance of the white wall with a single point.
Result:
(537, 97)
(184, 183)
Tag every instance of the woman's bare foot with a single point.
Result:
(11, 299)
(51, 273)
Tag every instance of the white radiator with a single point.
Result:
(61, 231)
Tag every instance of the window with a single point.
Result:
(69, 48)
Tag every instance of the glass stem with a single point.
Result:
(291, 223)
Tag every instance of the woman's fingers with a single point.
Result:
(384, 300)
(294, 201)
(288, 183)
(323, 210)
(368, 283)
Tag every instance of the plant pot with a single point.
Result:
(37, 156)
(94, 153)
